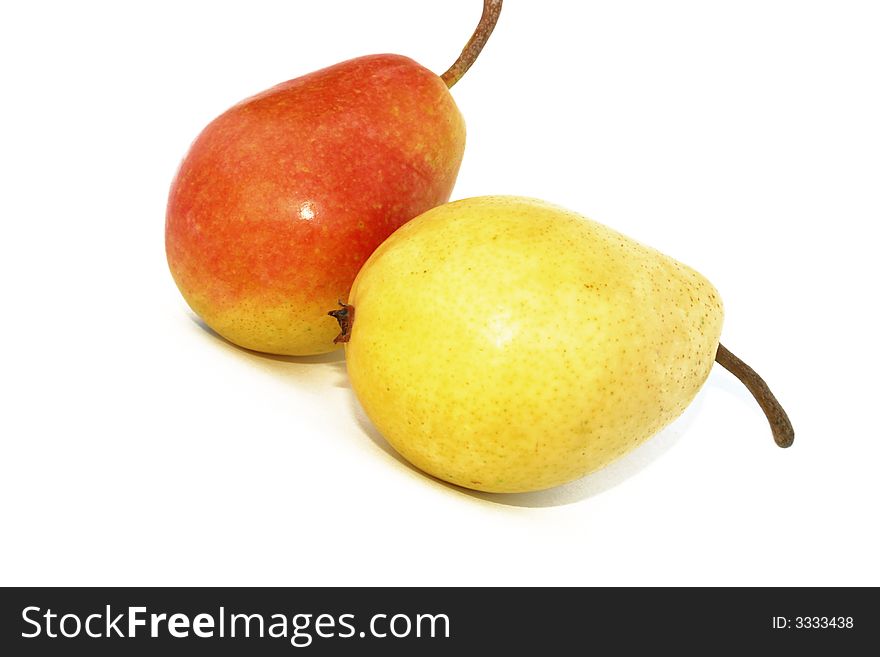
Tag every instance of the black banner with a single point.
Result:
(333, 621)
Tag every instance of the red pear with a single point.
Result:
(282, 198)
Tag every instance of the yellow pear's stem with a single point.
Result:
(491, 11)
(783, 432)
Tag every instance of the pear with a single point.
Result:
(269, 189)
(505, 344)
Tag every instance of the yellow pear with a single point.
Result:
(506, 345)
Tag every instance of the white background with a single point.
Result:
(741, 138)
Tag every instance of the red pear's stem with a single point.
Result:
(783, 432)
(491, 11)
(345, 317)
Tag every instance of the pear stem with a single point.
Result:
(491, 11)
(780, 425)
